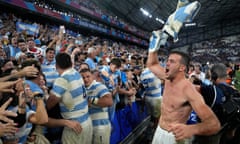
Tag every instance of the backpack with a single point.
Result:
(227, 112)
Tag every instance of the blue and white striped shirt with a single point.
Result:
(92, 65)
(50, 72)
(69, 87)
(99, 115)
(151, 83)
(115, 76)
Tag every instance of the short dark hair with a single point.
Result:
(21, 40)
(85, 70)
(116, 61)
(30, 37)
(185, 58)
(63, 60)
(50, 49)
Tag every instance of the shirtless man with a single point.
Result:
(179, 98)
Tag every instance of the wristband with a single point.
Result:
(38, 96)
(94, 101)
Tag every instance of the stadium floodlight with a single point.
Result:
(190, 24)
(160, 20)
(145, 12)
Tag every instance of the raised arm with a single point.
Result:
(40, 117)
(157, 40)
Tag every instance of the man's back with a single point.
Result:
(69, 86)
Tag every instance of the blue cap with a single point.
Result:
(37, 42)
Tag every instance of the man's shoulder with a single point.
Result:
(228, 90)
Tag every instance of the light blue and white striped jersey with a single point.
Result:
(151, 83)
(99, 115)
(50, 72)
(115, 76)
(13, 50)
(18, 55)
(34, 88)
(92, 65)
(69, 87)
(23, 131)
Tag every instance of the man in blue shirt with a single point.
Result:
(111, 76)
(99, 99)
(90, 59)
(68, 91)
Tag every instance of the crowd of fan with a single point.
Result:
(219, 50)
(91, 6)
(31, 59)
(49, 64)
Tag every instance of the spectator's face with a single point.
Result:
(173, 66)
(197, 69)
(113, 68)
(104, 61)
(14, 41)
(82, 57)
(87, 78)
(22, 46)
(97, 76)
(50, 55)
(92, 54)
(31, 44)
(133, 62)
(42, 81)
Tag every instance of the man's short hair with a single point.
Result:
(21, 40)
(218, 71)
(185, 58)
(50, 49)
(85, 70)
(116, 61)
(63, 60)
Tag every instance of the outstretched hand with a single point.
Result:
(7, 86)
(29, 71)
(5, 113)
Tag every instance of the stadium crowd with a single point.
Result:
(65, 83)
